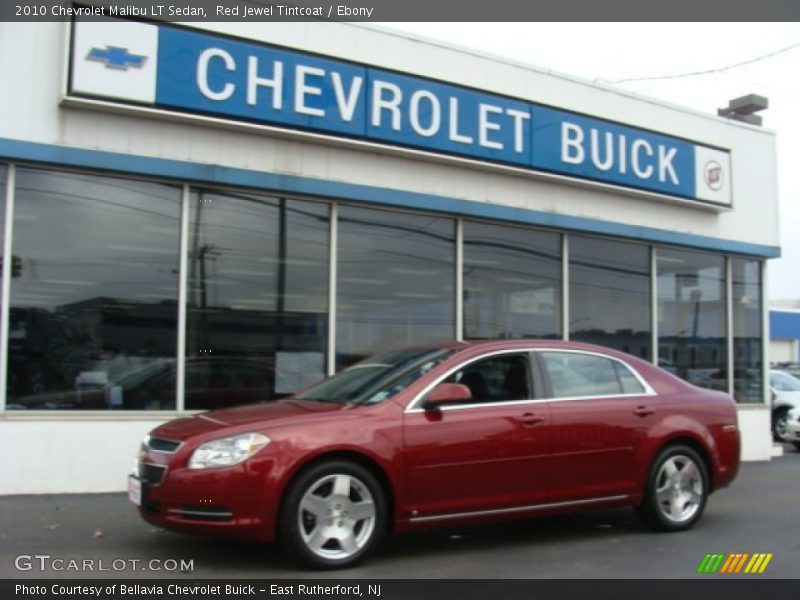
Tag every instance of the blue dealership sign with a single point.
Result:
(188, 71)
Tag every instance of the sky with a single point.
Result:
(610, 52)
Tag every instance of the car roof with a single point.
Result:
(502, 344)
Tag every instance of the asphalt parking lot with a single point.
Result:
(758, 513)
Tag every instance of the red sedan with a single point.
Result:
(439, 435)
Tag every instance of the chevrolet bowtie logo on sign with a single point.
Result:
(735, 564)
(115, 57)
(183, 71)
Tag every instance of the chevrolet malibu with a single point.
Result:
(442, 435)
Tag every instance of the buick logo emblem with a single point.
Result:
(713, 175)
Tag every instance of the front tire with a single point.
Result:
(677, 490)
(333, 515)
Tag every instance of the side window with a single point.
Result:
(497, 379)
(630, 385)
(574, 374)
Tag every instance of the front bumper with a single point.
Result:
(239, 501)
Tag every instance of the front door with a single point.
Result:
(489, 453)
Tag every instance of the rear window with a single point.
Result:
(576, 375)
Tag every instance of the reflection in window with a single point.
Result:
(609, 294)
(512, 282)
(574, 375)
(691, 317)
(396, 276)
(379, 378)
(93, 310)
(747, 350)
(257, 296)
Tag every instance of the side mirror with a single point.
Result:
(447, 393)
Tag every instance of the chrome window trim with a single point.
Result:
(414, 405)
(516, 509)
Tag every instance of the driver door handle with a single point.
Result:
(643, 411)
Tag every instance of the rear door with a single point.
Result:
(600, 414)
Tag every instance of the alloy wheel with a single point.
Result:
(679, 489)
(336, 516)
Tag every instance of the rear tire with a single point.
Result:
(780, 420)
(677, 490)
(333, 515)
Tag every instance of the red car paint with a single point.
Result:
(441, 467)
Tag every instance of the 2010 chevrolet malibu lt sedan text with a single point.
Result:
(440, 435)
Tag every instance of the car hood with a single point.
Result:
(792, 398)
(275, 413)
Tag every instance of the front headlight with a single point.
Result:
(228, 451)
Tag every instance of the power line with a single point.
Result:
(705, 72)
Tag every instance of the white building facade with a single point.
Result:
(211, 214)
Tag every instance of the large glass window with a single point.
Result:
(93, 310)
(396, 280)
(691, 317)
(609, 294)
(257, 313)
(748, 378)
(512, 282)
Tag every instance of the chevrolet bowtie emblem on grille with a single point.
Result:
(115, 57)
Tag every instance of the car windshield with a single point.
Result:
(783, 382)
(377, 378)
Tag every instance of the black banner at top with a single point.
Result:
(406, 10)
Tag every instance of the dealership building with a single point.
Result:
(202, 215)
(784, 333)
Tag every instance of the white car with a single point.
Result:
(793, 427)
(785, 390)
